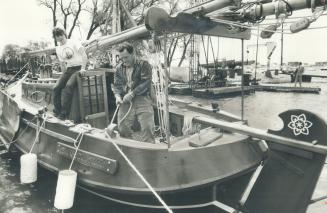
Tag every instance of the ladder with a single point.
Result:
(194, 62)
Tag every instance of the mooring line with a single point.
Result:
(38, 133)
(140, 175)
(83, 129)
(80, 136)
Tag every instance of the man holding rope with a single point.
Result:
(132, 86)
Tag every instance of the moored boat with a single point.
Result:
(217, 164)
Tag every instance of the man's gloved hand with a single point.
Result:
(118, 100)
(128, 97)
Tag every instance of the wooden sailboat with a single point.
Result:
(218, 165)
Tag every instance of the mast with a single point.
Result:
(242, 82)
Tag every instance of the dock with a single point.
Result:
(222, 92)
(308, 75)
(273, 88)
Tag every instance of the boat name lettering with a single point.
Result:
(88, 159)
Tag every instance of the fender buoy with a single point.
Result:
(28, 168)
(65, 190)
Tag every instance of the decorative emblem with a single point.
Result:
(300, 124)
(67, 53)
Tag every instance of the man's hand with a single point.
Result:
(128, 97)
(82, 72)
(118, 100)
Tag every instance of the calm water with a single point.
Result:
(261, 110)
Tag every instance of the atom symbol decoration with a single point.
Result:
(299, 124)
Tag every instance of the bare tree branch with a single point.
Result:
(99, 16)
(52, 5)
(76, 16)
(66, 11)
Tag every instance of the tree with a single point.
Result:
(65, 12)
(11, 51)
(99, 12)
(52, 5)
(11, 56)
(74, 9)
(36, 45)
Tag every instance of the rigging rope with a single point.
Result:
(15, 75)
(83, 128)
(158, 79)
(236, 24)
(38, 132)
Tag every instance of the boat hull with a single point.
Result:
(181, 171)
(186, 176)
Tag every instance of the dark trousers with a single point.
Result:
(65, 84)
(141, 110)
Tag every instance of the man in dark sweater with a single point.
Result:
(132, 87)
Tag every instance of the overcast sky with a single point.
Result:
(23, 20)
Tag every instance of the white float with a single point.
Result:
(28, 168)
(65, 190)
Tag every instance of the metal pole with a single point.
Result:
(166, 91)
(205, 53)
(213, 54)
(281, 48)
(256, 57)
(208, 49)
(262, 134)
(218, 49)
(242, 110)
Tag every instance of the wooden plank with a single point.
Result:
(94, 116)
(81, 101)
(98, 71)
(89, 93)
(105, 97)
(97, 94)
